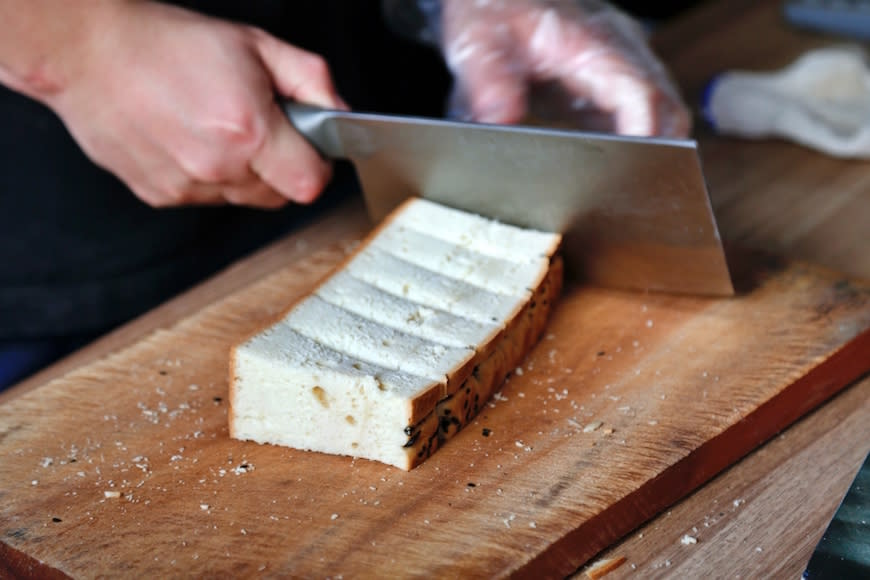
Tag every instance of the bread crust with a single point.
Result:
(470, 391)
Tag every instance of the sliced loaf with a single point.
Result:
(402, 346)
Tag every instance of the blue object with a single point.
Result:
(19, 360)
(841, 17)
(706, 97)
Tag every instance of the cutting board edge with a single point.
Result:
(571, 552)
(16, 564)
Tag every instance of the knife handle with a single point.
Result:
(317, 125)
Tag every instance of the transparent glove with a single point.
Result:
(597, 57)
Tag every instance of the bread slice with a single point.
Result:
(403, 344)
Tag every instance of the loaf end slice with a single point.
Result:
(289, 390)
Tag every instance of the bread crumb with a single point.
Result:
(688, 540)
(518, 371)
(203, 506)
(737, 502)
(111, 494)
(603, 567)
(333, 517)
(243, 468)
(593, 426)
(533, 525)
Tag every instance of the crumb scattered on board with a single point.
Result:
(603, 567)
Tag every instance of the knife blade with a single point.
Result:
(634, 212)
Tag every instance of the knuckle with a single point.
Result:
(174, 194)
(151, 198)
(158, 201)
(231, 136)
(316, 66)
(240, 124)
(206, 167)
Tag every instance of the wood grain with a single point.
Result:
(632, 401)
(737, 531)
(769, 195)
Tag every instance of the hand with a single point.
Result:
(181, 108)
(599, 56)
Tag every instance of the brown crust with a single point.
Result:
(459, 375)
(232, 392)
(469, 396)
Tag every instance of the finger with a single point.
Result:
(161, 182)
(298, 74)
(288, 163)
(640, 102)
(645, 109)
(256, 194)
(614, 88)
(491, 79)
(193, 194)
(675, 120)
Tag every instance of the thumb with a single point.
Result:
(492, 83)
(298, 74)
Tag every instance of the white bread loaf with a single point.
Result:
(402, 346)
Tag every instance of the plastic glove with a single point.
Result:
(821, 101)
(499, 49)
(181, 107)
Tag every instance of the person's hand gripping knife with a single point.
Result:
(179, 106)
(499, 49)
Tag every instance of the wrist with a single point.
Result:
(48, 43)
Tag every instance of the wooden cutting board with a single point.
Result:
(124, 468)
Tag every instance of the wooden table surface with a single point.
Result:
(762, 517)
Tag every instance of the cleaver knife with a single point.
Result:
(634, 212)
